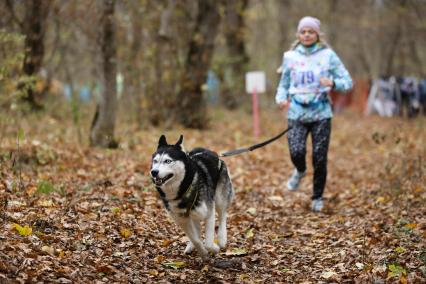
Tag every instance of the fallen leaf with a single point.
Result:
(400, 249)
(16, 203)
(249, 233)
(410, 226)
(48, 250)
(359, 265)
(379, 269)
(125, 233)
(46, 203)
(166, 243)
(174, 264)
(115, 210)
(380, 199)
(23, 231)
(159, 258)
(275, 198)
(237, 251)
(328, 274)
(104, 269)
(251, 211)
(396, 270)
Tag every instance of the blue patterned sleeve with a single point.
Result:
(284, 84)
(341, 78)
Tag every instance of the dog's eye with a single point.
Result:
(167, 161)
(154, 161)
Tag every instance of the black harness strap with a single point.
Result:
(191, 203)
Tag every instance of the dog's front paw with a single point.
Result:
(189, 248)
(222, 242)
(205, 257)
(213, 248)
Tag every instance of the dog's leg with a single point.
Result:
(224, 195)
(221, 233)
(191, 232)
(190, 246)
(210, 245)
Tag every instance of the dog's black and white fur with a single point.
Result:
(192, 187)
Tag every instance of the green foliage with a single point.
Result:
(12, 58)
(45, 187)
(396, 270)
(12, 55)
(21, 134)
(13, 83)
(422, 256)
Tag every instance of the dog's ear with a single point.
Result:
(180, 142)
(162, 141)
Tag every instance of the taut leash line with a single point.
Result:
(254, 147)
(264, 143)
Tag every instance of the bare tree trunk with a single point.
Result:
(34, 27)
(102, 130)
(234, 35)
(166, 68)
(134, 66)
(417, 60)
(331, 18)
(192, 112)
(284, 12)
(365, 64)
(393, 48)
(396, 39)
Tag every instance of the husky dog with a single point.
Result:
(192, 187)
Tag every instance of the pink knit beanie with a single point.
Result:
(309, 22)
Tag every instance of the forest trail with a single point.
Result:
(92, 215)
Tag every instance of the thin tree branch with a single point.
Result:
(10, 7)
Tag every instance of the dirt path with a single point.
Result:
(93, 215)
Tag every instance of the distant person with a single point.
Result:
(384, 97)
(310, 70)
(422, 95)
(409, 96)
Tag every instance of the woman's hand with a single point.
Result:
(283, 105)
(324, 81)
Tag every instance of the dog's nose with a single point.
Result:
(154, 173)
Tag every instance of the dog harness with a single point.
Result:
(191, 204)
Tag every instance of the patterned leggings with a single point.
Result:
(297, 137)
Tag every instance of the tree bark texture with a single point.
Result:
(234, 34)
(102, 131)
(192, 112)
(134, 69)
(166, 68)
(34, 26)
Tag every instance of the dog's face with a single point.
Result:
(168, 164)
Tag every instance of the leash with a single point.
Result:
(253, 147)
(264, 143)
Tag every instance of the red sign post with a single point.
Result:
(256, 120)
(255, 84)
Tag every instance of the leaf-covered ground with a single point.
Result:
(73, 214)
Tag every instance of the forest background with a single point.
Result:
(117, 74)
